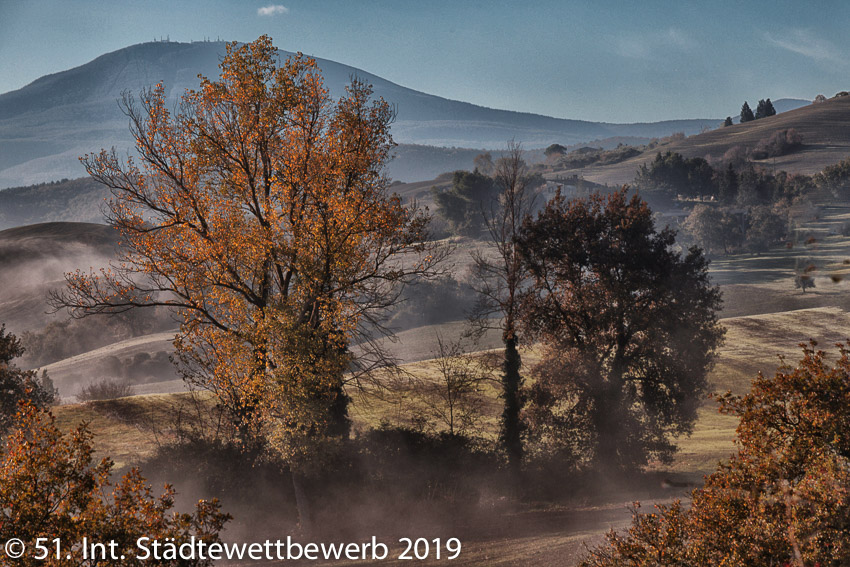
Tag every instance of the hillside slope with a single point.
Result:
(33, 259)
(825, 128)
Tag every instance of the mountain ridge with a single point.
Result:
(46, 125)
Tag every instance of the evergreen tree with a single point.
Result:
(727, 122)
(746, 113)
(768, 108)
(765, 109)
(500, 279)
(728, 184)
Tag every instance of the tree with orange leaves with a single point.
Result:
(782, 499)
(260, 214)
(51, 488)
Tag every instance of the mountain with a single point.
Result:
(46, 125)
(786, 104)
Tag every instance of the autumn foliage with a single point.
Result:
(783, 499)
(18, 385)
(260, 214)
(52, 487)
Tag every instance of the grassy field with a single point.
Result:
(764, 315)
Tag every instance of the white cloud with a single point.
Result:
(805, 43)
(644, 46)
(272, 10)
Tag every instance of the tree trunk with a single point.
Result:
(607, 420)
(511, 426)
(302, 503)
(339, 422)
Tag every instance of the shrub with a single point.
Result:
(834, 178)
(783, 499)
(777, 144)
(51, 487)
(215, 468)
(104, 389)
(18, 385)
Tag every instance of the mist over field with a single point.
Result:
(325, 305)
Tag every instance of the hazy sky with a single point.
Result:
(602, 61)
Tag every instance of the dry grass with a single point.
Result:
(825, 129)
(126, 427)
(128, 430)
(766, 318)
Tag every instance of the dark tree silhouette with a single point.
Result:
(765, 109)
(461, 205)
(628, 324)
(746, 113)
(555, 149)
(499, 280)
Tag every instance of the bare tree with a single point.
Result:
(455, 399)
(499, 279)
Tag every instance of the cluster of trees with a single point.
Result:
(763, 110)
(466, 203)
(585, 156)
(259, 214)
(262, 217)
(835, 178)
(139, 368)
(462, 205)
(674, 174)
(777, 144)
(781, 500)
(745, 185)
(726, 230)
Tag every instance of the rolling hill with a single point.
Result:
(33, 259)
(825, 128)
(46, 125)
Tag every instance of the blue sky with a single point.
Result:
(601, 61)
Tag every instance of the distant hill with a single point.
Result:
(33, 260)
(46, 125)
(73, 200)
(825, 128)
